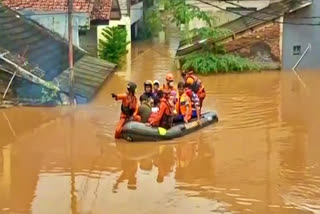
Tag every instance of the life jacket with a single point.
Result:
(197, 84)
(167, 118)
(129, 105)
(181, 106)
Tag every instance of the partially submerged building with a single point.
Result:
(301, 38)
(256, 35)
(89, 20)
(34, 65)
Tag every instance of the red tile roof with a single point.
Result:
(99, 9)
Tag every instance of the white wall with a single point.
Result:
(136, 12)
(125, 20)
(136, 15)
(58, 22)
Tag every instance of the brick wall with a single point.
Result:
(264, 39)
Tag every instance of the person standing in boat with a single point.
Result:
(129, 107)
(195, 103)
(164, 118)
(195, 84)
(184, 105)
(169, 85)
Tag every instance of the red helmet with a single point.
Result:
(169, 77)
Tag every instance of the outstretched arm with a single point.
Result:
(119, 96)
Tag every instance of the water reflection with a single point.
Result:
(262, 157)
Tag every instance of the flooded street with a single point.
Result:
(261, 157)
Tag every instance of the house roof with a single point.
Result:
(90, 73)
(101, 10)
(47, 52)
(98, 9)
(244, 23)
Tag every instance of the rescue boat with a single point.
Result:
(137, 132)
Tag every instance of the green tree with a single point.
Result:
(114, 45)
(153, 21)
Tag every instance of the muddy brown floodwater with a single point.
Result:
(262, 157)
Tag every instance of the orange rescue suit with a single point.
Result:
(129, 108)
(164, 117)
(181, 107)
(197, 86)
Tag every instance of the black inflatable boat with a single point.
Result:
(135, 131)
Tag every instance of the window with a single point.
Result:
(297, 50)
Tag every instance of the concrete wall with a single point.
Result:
(224, 16)
(88, 41)
(302, 35)
(58, 22)
(136, 12)
(125, 21)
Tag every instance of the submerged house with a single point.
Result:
(34, 63)
(256, 35)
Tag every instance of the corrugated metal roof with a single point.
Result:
(48, 52)
(90, 73)
(242, 24)
(41, 47)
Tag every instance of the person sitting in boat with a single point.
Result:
(195, 84)
(164, 118)
(144, 110)
(148, 89)
(195, 103)
(169, 85)
(184, 105)
(173, 101)
(156, 105)
(129, 107)
(156, 87)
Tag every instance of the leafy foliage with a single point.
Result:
(114, 45)
(48, 95)
(153, 21)
(213, 58)
(183, 13)
(206, 63)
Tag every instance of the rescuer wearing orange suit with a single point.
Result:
(194, 83)
(169, 85)
(184, 105)
(129, 107)
(164, 118)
